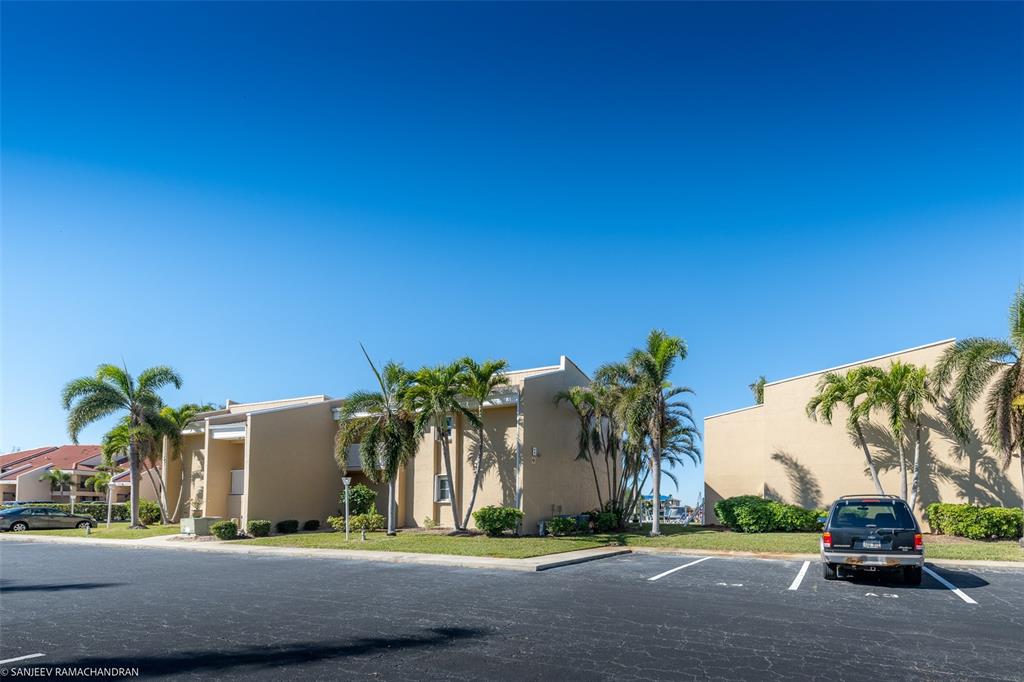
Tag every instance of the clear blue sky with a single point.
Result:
(244, 192)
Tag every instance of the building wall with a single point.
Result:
(31, 488)
(221, 457)
(810, 463)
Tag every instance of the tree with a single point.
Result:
(994, 368)
(434, 398)
(889, 391)
(917, 395)
(757, 388)
(103, 480)
(117, 442)
(384, 429)
(479, 381)
(173, 422)
(113, 390)
(582, 400)
(58, 480)
(846, 389)
(652, 407)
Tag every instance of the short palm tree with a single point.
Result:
(652, 404)
(113, 390)
(173, 422)
(846, 389)
(434, 398)
(117, 442)
(384, 429)
(890, 392)
(757, 388)
(103, 480)
(917, 396)
(582, 401)
(58, 480)
(479, 381)
(993, 368)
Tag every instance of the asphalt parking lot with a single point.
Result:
(629, 617)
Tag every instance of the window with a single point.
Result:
(872, 514)
(442, 489)
(237, 482)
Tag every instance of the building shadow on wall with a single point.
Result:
(803, 484)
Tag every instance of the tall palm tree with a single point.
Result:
(113, 390)
(479, 381)
(434, 398)
(757, 388)
(652, 404)
(993, 368)
(917, 395)
(117, 442)
(846, 389)
(58, 480)
(889, 392)
(582, 401)
(384, 429)
(173, 422)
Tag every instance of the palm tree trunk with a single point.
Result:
(478, 465)
(164, 461)
(186, 480)
(656, 497)
(916, 477)
(110, 500)
(867, 458)
(452, 488)
(903, 467)
(158, 487)
(597, 484)
(391, 506)
(133, 476)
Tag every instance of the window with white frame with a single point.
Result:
(442, 489)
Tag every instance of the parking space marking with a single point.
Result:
(678, 568)
(800, 576)
(20, 658)
(950, 586)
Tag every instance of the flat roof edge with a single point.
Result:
(740, 409)
(861, 362)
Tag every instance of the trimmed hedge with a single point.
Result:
(372, 521)
(976, 523)
(311, 525)
(97, 510)
(149, 512)
(495, 520)
(286, 527)
(258, 528)
(225, 530)
(563, 525)
(753, 514)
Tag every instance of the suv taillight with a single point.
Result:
(918, 541)
(826, 540)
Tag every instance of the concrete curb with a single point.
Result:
(782, 556)
(532, 564)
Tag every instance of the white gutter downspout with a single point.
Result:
(519, 452)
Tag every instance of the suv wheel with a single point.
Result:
(19, 526)
(829, 570)
(912, 575)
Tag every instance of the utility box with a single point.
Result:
(198, 526)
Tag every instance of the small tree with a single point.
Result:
(58, 481)
(757, 388)
(479, 381)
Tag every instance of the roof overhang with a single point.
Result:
(228, 431)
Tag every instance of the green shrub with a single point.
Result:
(563, 525)
(604, 521)
(976, 523)
(752, 514)
(725, 509)
(496, 520)
(362, 499)
(286, 527)
(258, 528)
(312, 524)
(429, 522)
(225, 530)
(97, 510)
(149, 512)
(336, 522)
(371, 522)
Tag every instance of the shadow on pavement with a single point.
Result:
(965, 580)
(6, 587)
(259, 656)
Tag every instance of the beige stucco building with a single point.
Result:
(775, 450)
(275, 460)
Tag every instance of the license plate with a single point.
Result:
(872, 544)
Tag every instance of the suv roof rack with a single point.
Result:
(848, 497)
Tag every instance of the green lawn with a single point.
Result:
(118, 531)
(676, 537)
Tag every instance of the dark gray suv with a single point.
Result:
(872, 533)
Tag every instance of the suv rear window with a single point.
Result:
(854, 514)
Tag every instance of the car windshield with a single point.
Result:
(872, 514)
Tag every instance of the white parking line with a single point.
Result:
(949, 585)
(678, 568)
(800, 576)
(20, 658)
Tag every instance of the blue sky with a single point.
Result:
(245, 192)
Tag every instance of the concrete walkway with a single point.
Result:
(173, 542)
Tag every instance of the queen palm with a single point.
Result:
(173, 422)
(102, 481)
(384, 429)
(582, 401)
(58, 480)
(993, 368)
(757, 388)
(652, 405)
(917, 395)
(890, 392)
(846, 389)
(434, 399)
(113, 390)
(479, 381)
(117, 442)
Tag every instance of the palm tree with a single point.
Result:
(113, 390)
(173, 422)
(917, 395)
(58, 481)
(993, 367)
(479, 381)
(757, 388)
(382, 427)
(101, 481)
(582, 401)
(846, 389)
(434, 398)
(117, 442)
(652, 405)
(889, 392)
